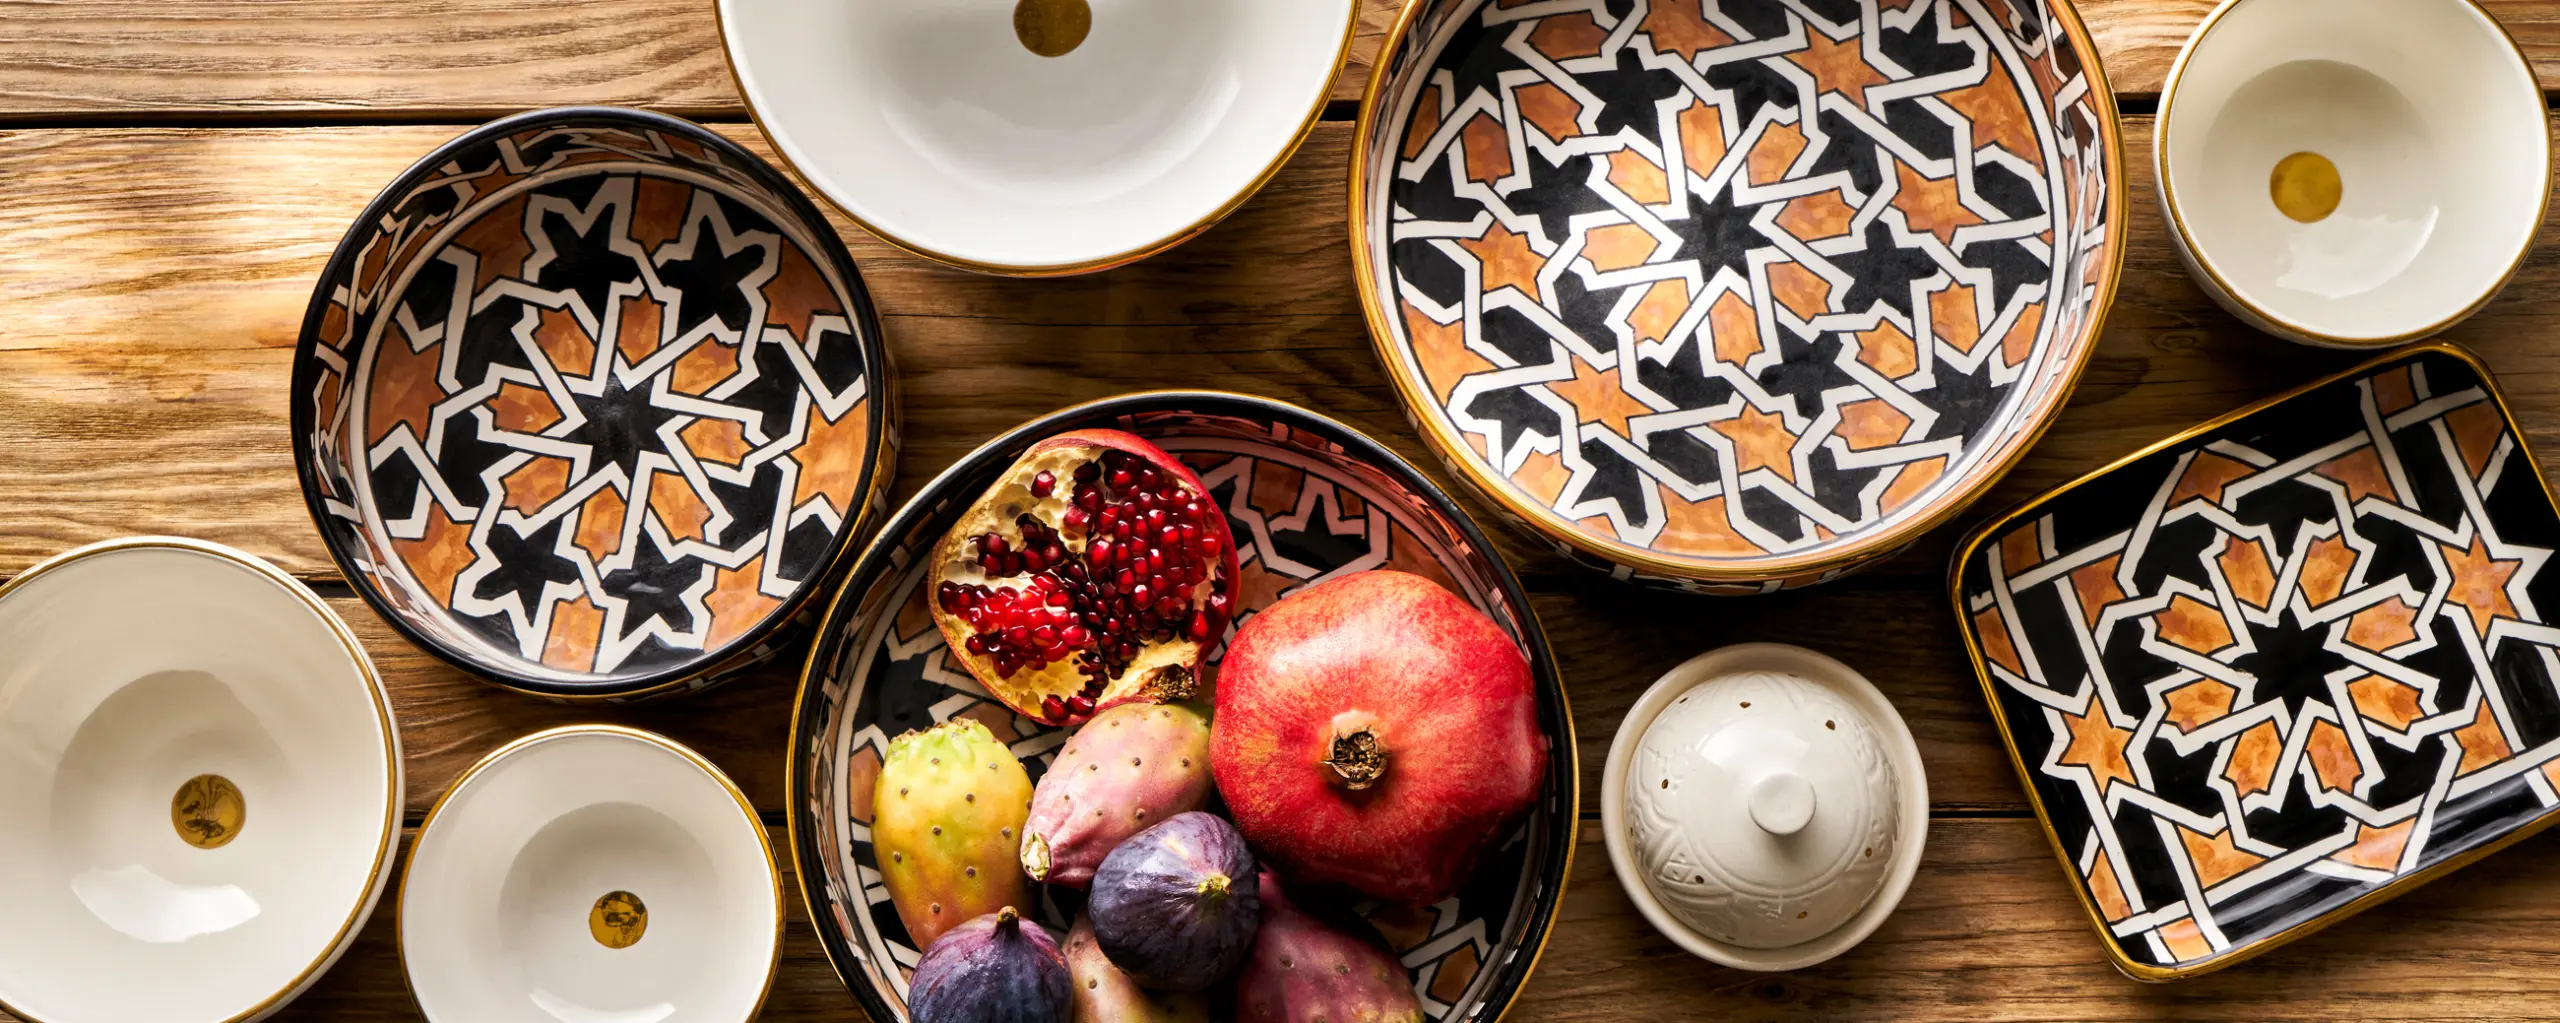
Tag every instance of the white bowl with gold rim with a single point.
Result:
(199, 786)
(2352, 173)
(594, 874)
(1036, 137)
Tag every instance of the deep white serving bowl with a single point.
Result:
(199, 786)
(591, 873)
(936, 126)
(1775, 828)
(2428, 164)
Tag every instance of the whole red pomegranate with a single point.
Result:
(1096, 570)
(1376, 732)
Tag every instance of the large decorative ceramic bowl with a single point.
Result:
(1308, 499)
(589, 402)
(1736, 295)
(2281, 667)
(2352, 173)
(1036, 137)
(201, 788)
(591, 874)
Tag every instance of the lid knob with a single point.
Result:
(1781, 802)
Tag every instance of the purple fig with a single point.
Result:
(1175, 905)
(1304, 968)
(1103, 994)
(998, 968)
(1131, 767)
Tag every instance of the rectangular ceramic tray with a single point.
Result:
(2281, 667)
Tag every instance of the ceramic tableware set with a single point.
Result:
(1727, 298)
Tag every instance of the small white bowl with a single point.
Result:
(593, 874)
(935, 125)
(199, 786)
(1764, 806)
(2352, 173)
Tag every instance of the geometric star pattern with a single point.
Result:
(2283, 664)
(1724, 279)
(599, 411)
(1301, 511)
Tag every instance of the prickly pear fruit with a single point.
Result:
(1126, 770)
(997, 968)
(947, 816)
(1175, 906)
(1305, 968)
(1103, 994)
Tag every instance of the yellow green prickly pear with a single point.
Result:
(947, 822)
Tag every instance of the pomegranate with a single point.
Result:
(1375, 732)
(1096, 571)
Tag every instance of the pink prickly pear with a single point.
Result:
(1103, 994)
(1129, 768)
(947, 814)
(1304, 969)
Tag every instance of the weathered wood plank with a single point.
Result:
(1986, 933)
(456, 60)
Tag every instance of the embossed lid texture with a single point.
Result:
(1763, 808)
(1745, 293)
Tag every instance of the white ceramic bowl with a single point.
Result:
(2352, 173)
(1764, 806)
(591, 874)
(935, 125)
(199, 786)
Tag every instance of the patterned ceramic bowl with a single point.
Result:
(589, 402)
(1308, 498)
(1036, 137)
(2283, 666)
(1736, 295)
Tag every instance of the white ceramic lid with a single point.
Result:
(199, 786)
(591, 874)
(1765, 806)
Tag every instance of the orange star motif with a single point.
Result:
(2480, 582)
(1760, 441)
(1597, 397)
(1508, 261)
(2098, 745)
(1932, 205)
(1838, 67)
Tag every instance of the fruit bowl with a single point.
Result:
(1036, 137)
(591, 872)
(589, 402)
(1738, 297)
(1307, 499)
(202, 791)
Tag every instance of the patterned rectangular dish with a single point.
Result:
(2281, 667)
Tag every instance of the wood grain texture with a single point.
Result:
(1986, 934)
(465, 60)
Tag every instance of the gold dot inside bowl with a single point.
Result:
(618, 920)
(1052, 28)
(208, 811)
(2305, 186)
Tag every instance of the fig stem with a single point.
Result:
(1358, 759)
(1007, 920)
(1214, 886)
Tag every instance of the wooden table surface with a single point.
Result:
(172, 176)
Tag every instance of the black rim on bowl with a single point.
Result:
(428, 213)
(1540, 854)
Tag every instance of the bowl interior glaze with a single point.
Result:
(1307, 498)
(202, 789)
(588, 402)
(591, 873)
(936, 125)
(1736, 294)
(2354, 172)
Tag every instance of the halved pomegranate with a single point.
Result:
(1096, 571)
